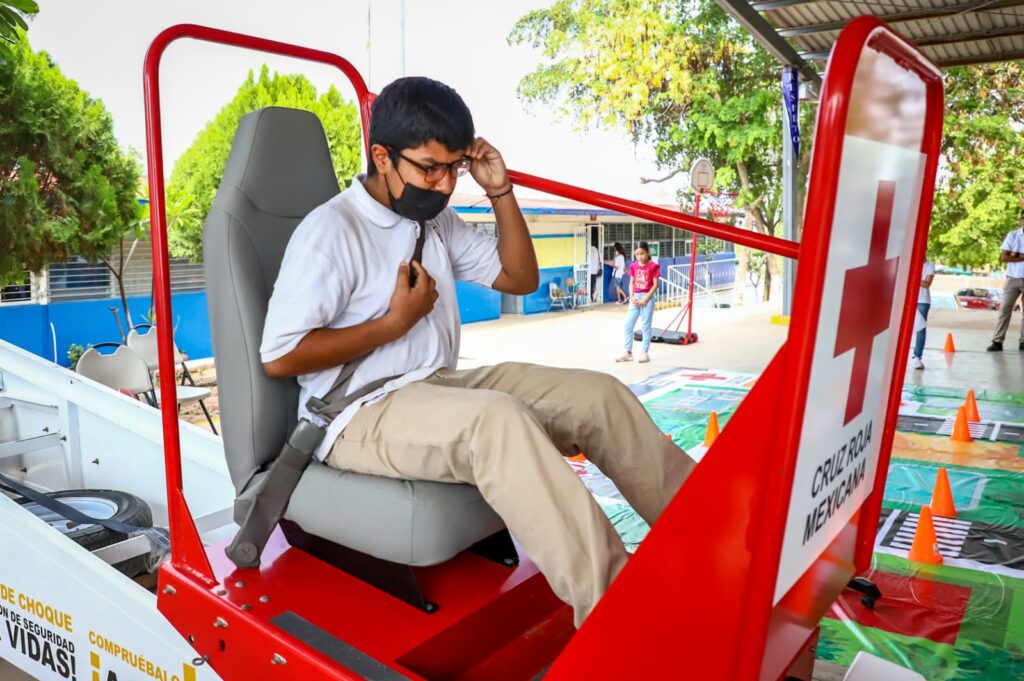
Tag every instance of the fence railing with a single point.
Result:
(78, 279)
(710, 277)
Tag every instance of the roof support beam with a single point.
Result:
(980, 59)
(935, 13)
(765, 34)
(1007, 32)
(974, 36)
(769, 5)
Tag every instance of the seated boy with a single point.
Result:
(345, 294)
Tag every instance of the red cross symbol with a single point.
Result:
(701, 377)
(867, 301)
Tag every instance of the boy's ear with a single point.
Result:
(380, 157)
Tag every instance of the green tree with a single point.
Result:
(680, 76)
(197, 172)
(65, 185)
(981, 178)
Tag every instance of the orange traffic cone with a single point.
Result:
(971, 405)
(961, 431)
(949, 347)
(942, 497)
(925, 548)
(712, 432)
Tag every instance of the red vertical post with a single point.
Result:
(693, 273)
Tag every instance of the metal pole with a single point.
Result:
(790, 129)
(693, 274)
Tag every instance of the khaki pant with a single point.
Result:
(1012, 290)
(505, 429)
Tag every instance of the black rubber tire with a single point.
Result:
(131, 510)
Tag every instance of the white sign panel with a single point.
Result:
(861, 308)
(65, 615)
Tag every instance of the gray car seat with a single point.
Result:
(280, 169)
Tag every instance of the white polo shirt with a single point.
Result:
(1014, 242)
(340, 270)
(924, 295)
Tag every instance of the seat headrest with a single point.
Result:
(281, 161)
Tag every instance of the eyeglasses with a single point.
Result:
(436, 172)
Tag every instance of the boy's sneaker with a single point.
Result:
(997, 346)
(644, 358)
(627, 357)
(916, 363)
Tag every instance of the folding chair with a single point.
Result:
(121, 370)
(144, 344)
(558, 297)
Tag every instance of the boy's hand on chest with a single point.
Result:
(411, 302)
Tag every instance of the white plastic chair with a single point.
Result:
(121, 370)
(557, 297)
(145, 345)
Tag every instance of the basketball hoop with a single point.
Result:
(702, 175)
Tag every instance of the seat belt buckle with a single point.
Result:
(316, 406)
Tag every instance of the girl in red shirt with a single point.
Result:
(643, 283)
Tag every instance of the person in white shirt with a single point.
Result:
(1012, 253)
(345, 294)
(618, 265)
(924, 304)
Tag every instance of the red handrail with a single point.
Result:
(743, 237)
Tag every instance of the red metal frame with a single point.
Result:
(715, 601)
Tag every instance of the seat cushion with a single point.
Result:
(409, 522)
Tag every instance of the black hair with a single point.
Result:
(643, 246)
(412, 111)
(617, 248)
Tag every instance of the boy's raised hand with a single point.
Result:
(488, 168)
(409, 304)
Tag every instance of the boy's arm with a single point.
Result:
(519, 272)
(326, 348)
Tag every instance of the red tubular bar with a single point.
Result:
(187, 553)
(761, 242)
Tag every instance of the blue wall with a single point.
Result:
(89, 321)
(477, 303)
(539, 301)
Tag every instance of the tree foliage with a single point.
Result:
(12, 21)
(65, 185)
(677, 74)
(980, 188)
(197, 172)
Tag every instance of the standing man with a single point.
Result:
(367, 284)
(595, 270)
(924, 303)
(1012, 253)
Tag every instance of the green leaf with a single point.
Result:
(12, 18)
(26, 6)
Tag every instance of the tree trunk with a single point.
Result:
(742, 260)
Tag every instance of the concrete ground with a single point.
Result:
(737, 339)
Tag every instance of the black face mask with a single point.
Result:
(415, 202)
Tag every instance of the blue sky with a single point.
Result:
(102, 43)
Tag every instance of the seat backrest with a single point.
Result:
(278, 171)
(120, 369)
(145, 346)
